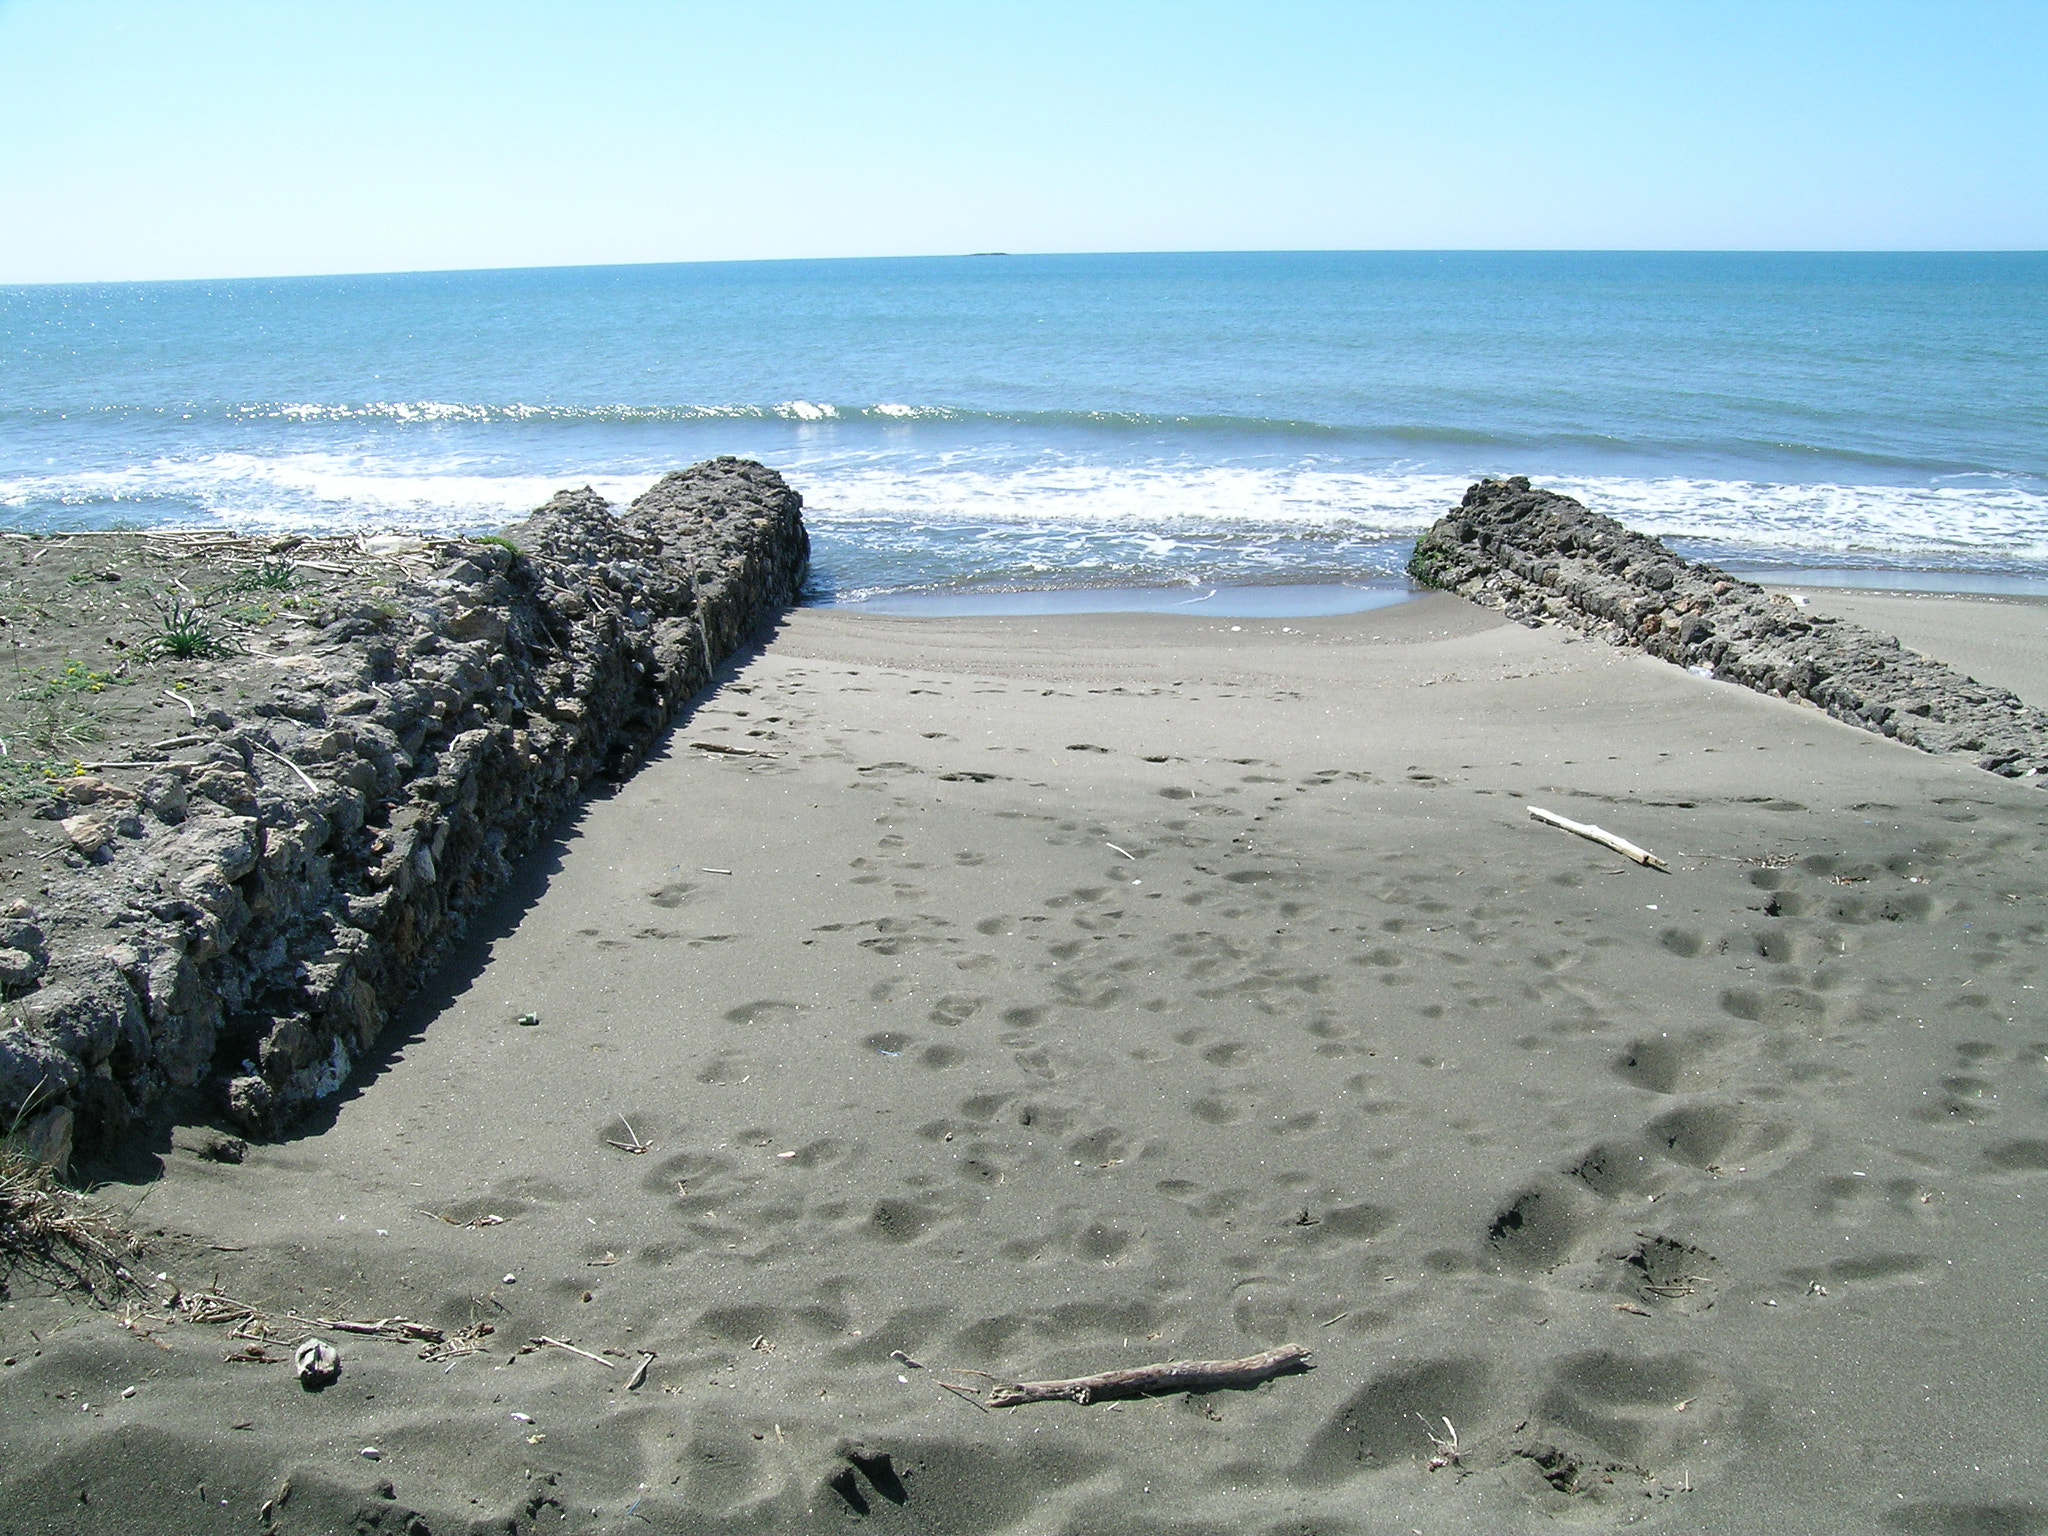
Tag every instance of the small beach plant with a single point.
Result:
(187, 631)
(269, 576)
(43, 719)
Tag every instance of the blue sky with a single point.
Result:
(192, 138)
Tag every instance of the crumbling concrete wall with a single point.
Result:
(246, 919)
(1544, 558)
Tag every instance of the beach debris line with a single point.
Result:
(1605, 839)
(1153, 1380)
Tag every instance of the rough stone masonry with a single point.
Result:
(245, 921)
(1542, 557)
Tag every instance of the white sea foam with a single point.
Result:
(880, 499)
(302, 492)
(1871, 520)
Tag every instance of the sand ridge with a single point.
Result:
(1070, 995)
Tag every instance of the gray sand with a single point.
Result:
(1068, 994)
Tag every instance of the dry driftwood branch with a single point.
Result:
(724, 751)
(400, 1328)
(1620, 845)
(1150, 1380)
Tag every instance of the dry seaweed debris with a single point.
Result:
(58, 1234)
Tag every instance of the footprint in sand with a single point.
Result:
(1664, 1272)
(1666, 1063)
(1388, 1421)
(1723, 1139)
(1536, 1229)
(1623, 1404)
(955, 1008)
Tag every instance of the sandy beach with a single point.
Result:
(1008, 999)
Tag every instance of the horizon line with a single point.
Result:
(757, 261)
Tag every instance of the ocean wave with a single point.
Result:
(1216, 433)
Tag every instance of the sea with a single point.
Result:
(982, 432)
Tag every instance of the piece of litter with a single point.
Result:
(522, 1418)
(528, 1019)
(127, 1392)
(317, 1364)
(371, 1453)
(510, 1280)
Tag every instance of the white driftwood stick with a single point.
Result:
(1620, 845)
(1150, 1380)
(295, 768)
(572, 1349)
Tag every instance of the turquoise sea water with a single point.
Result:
(1059, 422)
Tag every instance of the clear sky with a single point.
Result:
(195, 138)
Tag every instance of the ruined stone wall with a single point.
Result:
(1543, 558)
(245, 919)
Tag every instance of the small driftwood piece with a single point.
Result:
(572, 1349)
(304, 778)
(1151, 1380)
(636, 1146)
(1620, 845)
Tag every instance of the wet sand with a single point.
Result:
(1058, 995)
